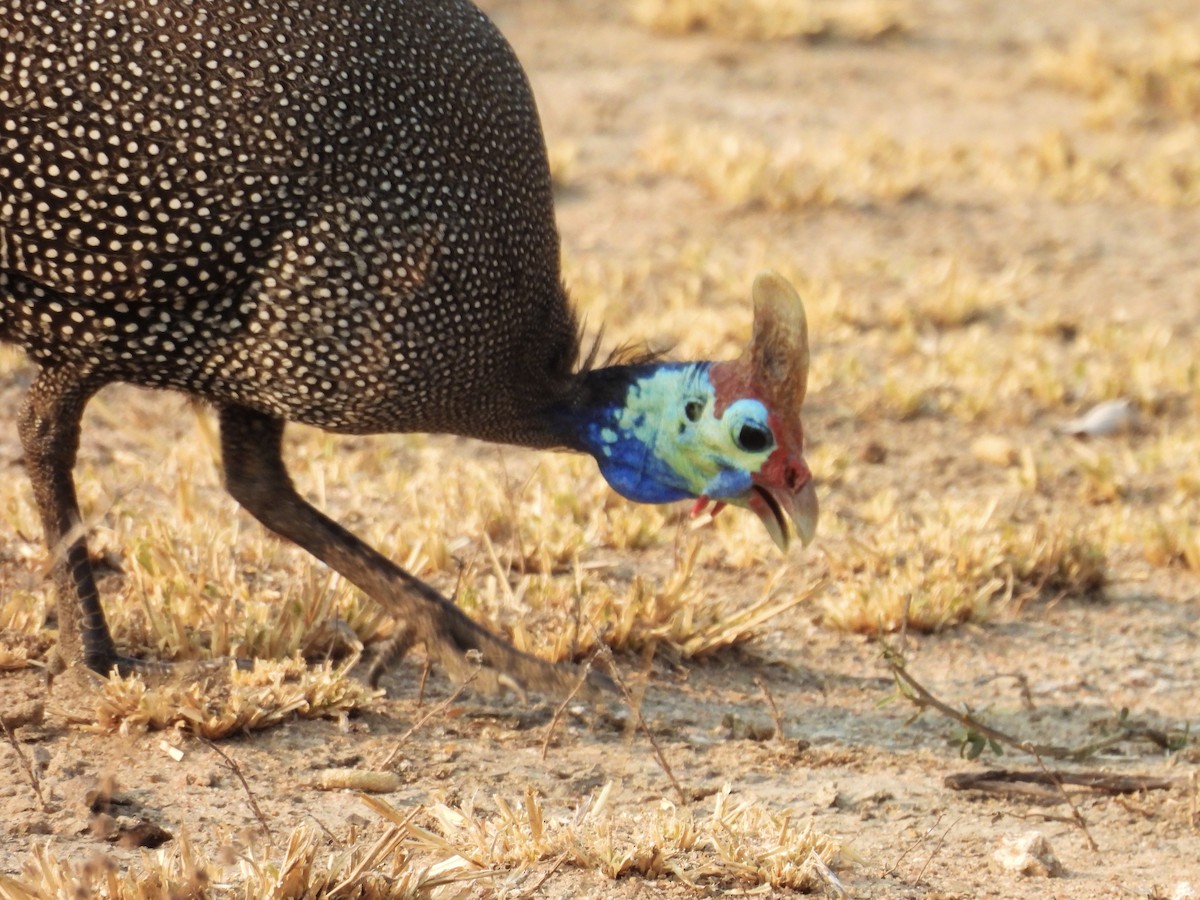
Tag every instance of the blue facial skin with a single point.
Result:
(661, 440)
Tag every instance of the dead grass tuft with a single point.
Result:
(382, 868)
(1171, 537)
(740, 844)
(560, 620)
(364, 868)
(178, 871)
(740, 170)
(859, 21)
(1147, 76)
(564, 159)
(947, 562)
(232, 701)
(1162, 169)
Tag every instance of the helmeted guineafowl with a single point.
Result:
(335, 212)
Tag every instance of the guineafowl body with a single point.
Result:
(335, 213)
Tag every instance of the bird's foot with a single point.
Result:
(471, 655)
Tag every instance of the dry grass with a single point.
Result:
(740, 844)
(862, 21)
(175, 872)
(1163, 169)
(1172, 538)
(1148, 76)
(931, 564)
(564, 160)
(364, 867)
(232, 701)
(740, 170)
(856, 170)
(569, 618)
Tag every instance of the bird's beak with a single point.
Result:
(776, 506)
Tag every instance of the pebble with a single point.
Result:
(1027, 854)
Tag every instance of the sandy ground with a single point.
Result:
(854, 764)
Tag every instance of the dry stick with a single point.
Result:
(232, 765)
(1076, 815)
(24, 760)
(1037, 751)
(934, 852)
(425, 671)
(776, 717)
(1041, 817)
(554, 720)
(637, 711)
(329, 834)
(924, 698)
(532, 891)
(913, 846)
(577, 624)
(1031, 782)
(441, 707)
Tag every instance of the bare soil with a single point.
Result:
(853, 760)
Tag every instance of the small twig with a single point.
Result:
(532, 890)
(25, 765)
(329, 834)
(1075, 813)
(776, 717)
(913, 846)
(558, 713)
(921, 697)
(1011, 782)
(1040, 817)
(637, 711)
(824, 874)
(232, 765)
(577, 613)
(934, 852)
(441, 707)
(1022, 681)
(425, 670)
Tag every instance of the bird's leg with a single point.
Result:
(49, 428)
(390, 652)
(251, 449)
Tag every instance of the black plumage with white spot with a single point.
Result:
(336, 213)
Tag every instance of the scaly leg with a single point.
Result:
(251, 449)
(49, 428)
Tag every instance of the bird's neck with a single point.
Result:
(616, 416)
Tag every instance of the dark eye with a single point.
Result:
(692, 409)
(753, 439)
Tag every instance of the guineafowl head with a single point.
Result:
(720, 432)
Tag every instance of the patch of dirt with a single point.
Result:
(853, 760)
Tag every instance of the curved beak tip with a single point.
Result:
(776, 507)
(805, 512)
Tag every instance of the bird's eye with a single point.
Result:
(692, 409)
(749, 432)
(753, 438)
